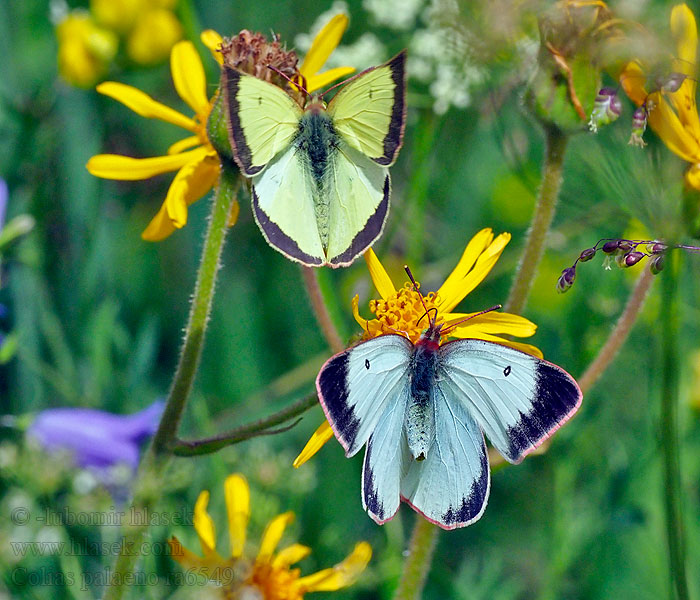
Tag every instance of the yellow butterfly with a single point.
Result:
(320, 177)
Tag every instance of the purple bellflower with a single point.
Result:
(97, 439)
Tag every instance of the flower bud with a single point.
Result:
(639, 124)
(625, 245)
(671, 82)
(606, 109)
(656, 264)
(633, 258)
(658, 248)
(566, 279)
(587, 254)
(610, 247)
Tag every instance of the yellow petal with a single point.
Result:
(320, 437)
(273, 535)
(238, 508)
(185, 557)
(492, 322)
(527, 348)
(190, 184)
(324, 43)
(450, 288)
(321, 80)
(664, 121)
(632, 79)
(692, 176)
(340, 576)
(114, 166)
(233, 215)
(188, 76)
(685, 32)
(291, 555)
(160, 227)
(380, 278)
(142, 104)
(462, 280)
(184, 144)
(356, 313)
(212, 40)
(204, 525)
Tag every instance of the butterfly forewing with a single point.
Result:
(262, 119)
(517, 399)
(369, 112)
(356, 386)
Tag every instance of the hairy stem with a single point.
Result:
(619, 334)
(245, 432)
(418, 561)
(148, 481)
(555, 149)
(318, 304)
(669, 431)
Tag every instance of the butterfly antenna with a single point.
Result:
(415, 287)
(301, 84)
(483, 312)
(348, 80)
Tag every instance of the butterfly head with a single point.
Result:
(315, 105)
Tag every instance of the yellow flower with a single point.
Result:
(402, 310)
(269, 576)
(150, 27)
(84, 49)
(194, 158)
(673, 115)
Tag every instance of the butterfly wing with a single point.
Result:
(355, 387)
(358, 204)
(518, 400)
(283, 206)
(364, 392)
(262, 119)
(369, 112)
(450, 487)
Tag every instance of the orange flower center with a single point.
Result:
(402, 312)
(276, 583)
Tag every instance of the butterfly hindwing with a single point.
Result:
(369, 112)
(358, 204)
(451, 486)
(355, 387)
(284, 209)
(262, 119)
(517, 399)
(386, 461)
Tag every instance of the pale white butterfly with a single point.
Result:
(422, 410)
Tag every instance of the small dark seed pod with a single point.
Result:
(587, 254)
(610, 247)
(633, 258)
(656, 265)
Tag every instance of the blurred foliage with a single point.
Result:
(98, 316)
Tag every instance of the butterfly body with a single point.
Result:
(421, 410)
(319, 173)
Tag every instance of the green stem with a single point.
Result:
(555, 149)
(619, 334)
(245, 432)
(418, 561)
(669, 430)
(148, 481)
(318, 304)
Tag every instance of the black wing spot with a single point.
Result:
(259, 100)
(506, 371)
(366, 364)
(370, 93)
